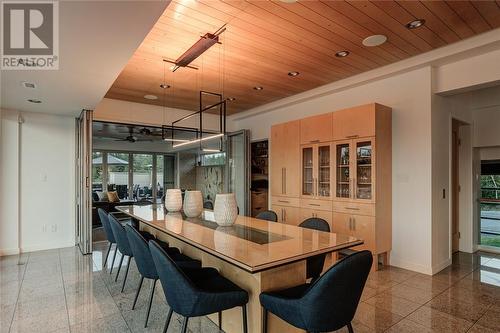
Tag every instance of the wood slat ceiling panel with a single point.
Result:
(265, 40)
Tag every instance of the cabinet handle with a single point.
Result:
(282, 180)
(352, 208)
(354, 188)
(350, 223)
(314, 141)
(354, 223)
(284, 183)
(352, 136)
(284, 215)
(316, 205)
(284, 201)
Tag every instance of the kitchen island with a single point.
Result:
(257, 255)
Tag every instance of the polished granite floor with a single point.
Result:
(63, 291)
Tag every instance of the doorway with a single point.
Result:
(455, 186)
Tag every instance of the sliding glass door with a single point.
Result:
(489, 229)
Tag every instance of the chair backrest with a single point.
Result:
(332, 300)
(208, 205)
(142, 255)
(315, 264)
(120, 236)
(180, 293)
(103, 216)
(315, 223)
(267, 215)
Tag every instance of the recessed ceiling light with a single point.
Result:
(231, 99)
(293, 74)
(258, 88)
(30, 85)
(36, 101)
(164, 86)
(289, 1)
(152, 97)
(374, 40)
(415, 24)
(342, 54)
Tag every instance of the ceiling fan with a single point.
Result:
(132, 138)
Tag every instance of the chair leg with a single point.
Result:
(138, 291)
(107, 255)
(167, 322)
(264, 321)
(119, 267)
(113, 263)
(220, 320)
(244, 312)
(184, 325)
(126, 273)
(153, 284)
(349, 328)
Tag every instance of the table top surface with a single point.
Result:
(251, 244)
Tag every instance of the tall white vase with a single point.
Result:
(173, 200)
(193, 203)
(225, 209)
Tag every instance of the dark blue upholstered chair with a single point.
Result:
(146, 266)
(123, 245)
(267, 215)
(103, 216)
(196, 292)
(315, 264)
(325, 305)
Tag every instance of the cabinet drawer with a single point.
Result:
(316, 204)
(354, 208)
(285, 201)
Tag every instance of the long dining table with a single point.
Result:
(255, 254)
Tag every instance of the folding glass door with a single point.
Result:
(237, 172)
(83, 174)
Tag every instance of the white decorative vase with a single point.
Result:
(193, 203)
(173, 200)
(225, 209)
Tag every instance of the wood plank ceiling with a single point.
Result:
(265, 40)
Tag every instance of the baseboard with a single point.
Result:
(398, 262)
(438, 268)
(47, 246)
(8, 252)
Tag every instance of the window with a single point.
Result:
(118, 174)
(97, 171)
(143, 176)
(213, 159)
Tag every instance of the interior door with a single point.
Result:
(83, 181)
(237, 168)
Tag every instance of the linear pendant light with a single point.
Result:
(210, 137)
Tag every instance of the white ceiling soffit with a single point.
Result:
(97, 38)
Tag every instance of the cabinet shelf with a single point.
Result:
(364, 183)
(343, 165)
(324, 166)
(364, 165)
(343, 183)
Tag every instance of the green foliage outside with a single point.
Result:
(490, 240)
(490, 189)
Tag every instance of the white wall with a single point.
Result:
(37, 184)
(409, 96)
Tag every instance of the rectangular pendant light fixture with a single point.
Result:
(210, 137)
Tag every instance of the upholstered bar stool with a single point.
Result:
(196, 292)
(325, 305)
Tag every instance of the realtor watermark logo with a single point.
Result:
(30, 35)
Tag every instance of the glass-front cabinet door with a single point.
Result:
(316, 171)
(323, 171)
(343, 170)
(364, 162)
(307, 171)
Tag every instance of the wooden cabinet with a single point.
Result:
(316, 129)
(316, 171)
(287, 214)
(358, 226)
(285, 159)
(338, 167)
(357, 122)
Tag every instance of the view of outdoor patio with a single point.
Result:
(490, 210)
(145, 177)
